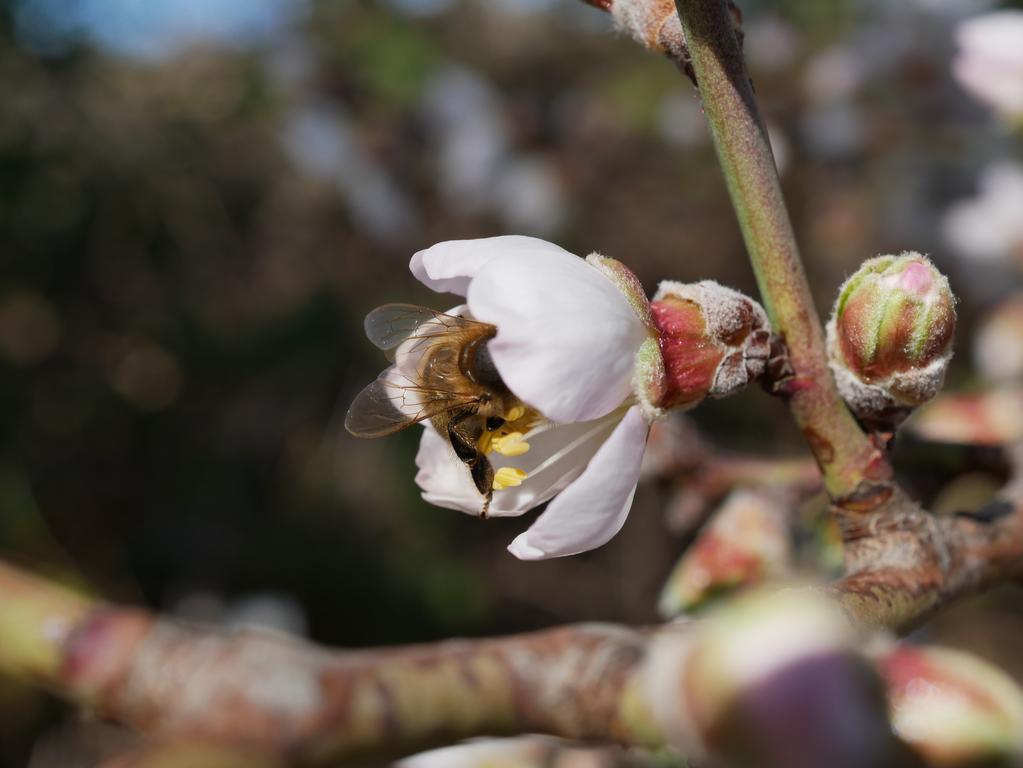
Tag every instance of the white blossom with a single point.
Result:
(567, 341)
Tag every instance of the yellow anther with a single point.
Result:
(508, 477)
(510, 444)
(485, 441)
(515, 413)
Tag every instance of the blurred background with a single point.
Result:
(201, 199)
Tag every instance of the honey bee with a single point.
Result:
(444, 373)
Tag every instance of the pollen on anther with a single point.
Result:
(508, 477)
(485, 442)
(511, 444)
(515, 413)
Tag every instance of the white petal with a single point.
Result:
(593, 508)
(556, 457)
(444, 479)
(566, 336)
(449, 266)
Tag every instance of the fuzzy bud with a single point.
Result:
(746, 542)
(890, 335)
(771, 679)
(713, 341)
(953, 708)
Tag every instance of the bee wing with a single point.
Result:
(391, 324)
(387, 406)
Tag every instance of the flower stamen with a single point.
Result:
(510, 444)
(485, 441)
(515, 413)
(508, 477)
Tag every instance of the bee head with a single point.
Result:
(484, 371)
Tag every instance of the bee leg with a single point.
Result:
(465, 443)
(483, 475)
(466, 446)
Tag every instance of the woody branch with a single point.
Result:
(283, 697)
(248, 698)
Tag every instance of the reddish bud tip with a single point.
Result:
(712, 340)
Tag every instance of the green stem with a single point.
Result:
(850, 462)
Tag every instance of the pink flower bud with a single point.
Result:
(953, 708)
(712, 340)
(890, 335)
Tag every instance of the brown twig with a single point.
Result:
(282, 697)
(225, 698)
(903, 563)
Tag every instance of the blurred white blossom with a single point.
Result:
(998, 351)
(680, 119)
(834, 129)
(834, 74)
(464, 115)
(320, 141)
(989, 227)
(771, 44)
(478, 169)
(528, 196)
(990, 60)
